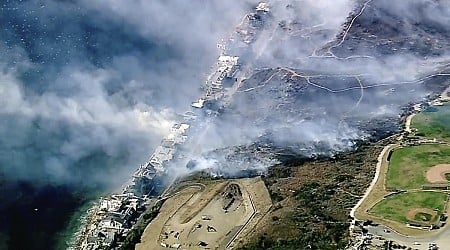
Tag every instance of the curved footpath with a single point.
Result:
(374, 181)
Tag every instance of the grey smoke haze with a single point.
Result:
(80, 77)
(88, 88)
(389, 53)
(87, 91)
(114, 74)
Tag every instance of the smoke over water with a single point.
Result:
(89, 88)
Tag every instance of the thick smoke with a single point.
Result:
(95, 76)
(88, 88)
(87, 91)
(119, 72)
(66, 127)
(310, 53)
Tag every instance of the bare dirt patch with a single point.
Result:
(194, 206)
(210, 218)
(420, 214)
(437, 174)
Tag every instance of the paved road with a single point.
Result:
(381, 156)
(441, 237)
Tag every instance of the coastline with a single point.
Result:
(67, 238)
(114, 221)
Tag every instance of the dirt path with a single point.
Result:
(437, 173)
(408, 123)
(376, 179)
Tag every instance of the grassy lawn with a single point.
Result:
(434, 124)
(408, 166)
(397, 206)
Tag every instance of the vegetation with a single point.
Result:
(396, 207)
(311, 240)
(319, 226)
(134, 236)
(408, 166)
(275, 173)
(312, 200)
(433, 123)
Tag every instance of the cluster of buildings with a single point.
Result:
(227, 66)
(223, 74)
(112, 220)
(113, 217)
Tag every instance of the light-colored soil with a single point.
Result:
(151, 234)
(408, 123)
(194, 206)
(262, 203)
(194, 215)
(412, 213)
(437, 173)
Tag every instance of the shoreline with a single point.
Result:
(112, 220)
(68, 237)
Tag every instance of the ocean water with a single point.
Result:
(88, 88)
(38, 209)
(83, 101)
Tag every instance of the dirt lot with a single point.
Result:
(437, 173)
(212, 217)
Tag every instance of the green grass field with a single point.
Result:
(397, 206)
(408, 166)
(434, 124)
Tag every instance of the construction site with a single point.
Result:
(213, 215)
